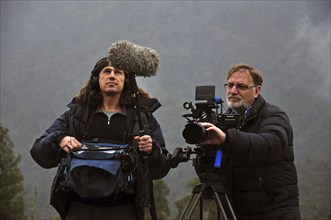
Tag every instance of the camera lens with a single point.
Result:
(194, 133)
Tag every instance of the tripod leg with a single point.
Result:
(186, 207)
(220, 208)
(195, 204)
(201, 209)
(219, 216)
(229, 205)
(218, 201)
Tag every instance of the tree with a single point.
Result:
(11, 180)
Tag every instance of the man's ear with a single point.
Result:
(257, 91)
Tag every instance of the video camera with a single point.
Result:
(208, 160)
(205, 111)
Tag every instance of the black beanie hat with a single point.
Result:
(102, 63)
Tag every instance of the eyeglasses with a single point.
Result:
(239, 86)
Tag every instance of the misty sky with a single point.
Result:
(48, 49)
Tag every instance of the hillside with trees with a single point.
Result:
(11, 180)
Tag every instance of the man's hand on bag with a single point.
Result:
(69, 143)
(145, 143)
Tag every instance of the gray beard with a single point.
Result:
(240, 110)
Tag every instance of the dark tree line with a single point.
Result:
(11, 180)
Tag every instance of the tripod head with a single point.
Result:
(214, 180)
(207, 165)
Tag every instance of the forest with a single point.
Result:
(48, 49)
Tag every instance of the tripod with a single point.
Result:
(208, 190)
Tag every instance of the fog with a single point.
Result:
(48, 49)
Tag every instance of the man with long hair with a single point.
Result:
(103, 113)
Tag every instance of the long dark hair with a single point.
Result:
(90, 94)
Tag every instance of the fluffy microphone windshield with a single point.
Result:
(133, 59)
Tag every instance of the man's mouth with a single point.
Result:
(234, 99)
(111, 84)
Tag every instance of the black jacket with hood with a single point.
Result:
(264, 178)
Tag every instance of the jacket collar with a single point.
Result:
(147, 104)
(251, 111)
(255, 107)
(122, 112)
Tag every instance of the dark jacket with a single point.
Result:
(264, 178)
(74, 122)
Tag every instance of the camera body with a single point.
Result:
(206, 111)
(215, 178)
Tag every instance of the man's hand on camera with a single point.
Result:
(145, 143)
(216, 135)
(69, 143)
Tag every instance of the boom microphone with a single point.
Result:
(133, 59)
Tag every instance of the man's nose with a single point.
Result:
(112, 74)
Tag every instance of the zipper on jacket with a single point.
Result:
(245, 117)
(264, 185)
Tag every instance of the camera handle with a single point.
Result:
(218, 158)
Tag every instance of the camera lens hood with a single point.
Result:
(194, 133)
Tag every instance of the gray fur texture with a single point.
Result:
(134, 59)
